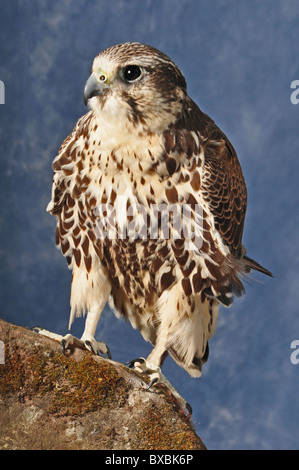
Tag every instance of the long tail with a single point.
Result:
(251, 264)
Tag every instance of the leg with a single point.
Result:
(89, 293)
(87, 340)
(152, 365)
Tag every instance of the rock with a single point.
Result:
(49, 401)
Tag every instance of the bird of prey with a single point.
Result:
(145, 146)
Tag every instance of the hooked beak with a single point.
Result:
(97, 84)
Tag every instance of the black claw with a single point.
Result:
(152, 382)
(98, 352)
(63, 343)
(108, 353)
(189, 408)
(131, 363)
(90, 347)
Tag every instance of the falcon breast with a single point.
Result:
(150, 203)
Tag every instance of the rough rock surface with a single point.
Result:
(81, 401)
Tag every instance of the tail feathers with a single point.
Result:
(251, 264)
(194, 369)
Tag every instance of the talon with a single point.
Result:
(131, 363)
(66, 341)
(95, 347)
(108, 353)
(98, 348)
(152, 382)
(153, 371)
(63, 346)
(189, 408)
(90, 347)
(141, 365)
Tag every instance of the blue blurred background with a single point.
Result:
(239, 59)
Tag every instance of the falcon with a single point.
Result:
(143, 146)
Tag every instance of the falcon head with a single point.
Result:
(136, 82)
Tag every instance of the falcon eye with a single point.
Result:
(131, 73)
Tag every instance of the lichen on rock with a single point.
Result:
(52, 401)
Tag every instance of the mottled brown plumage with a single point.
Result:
(145, 142)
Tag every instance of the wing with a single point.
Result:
(65, 190)
(210, 176)
(223, 185)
